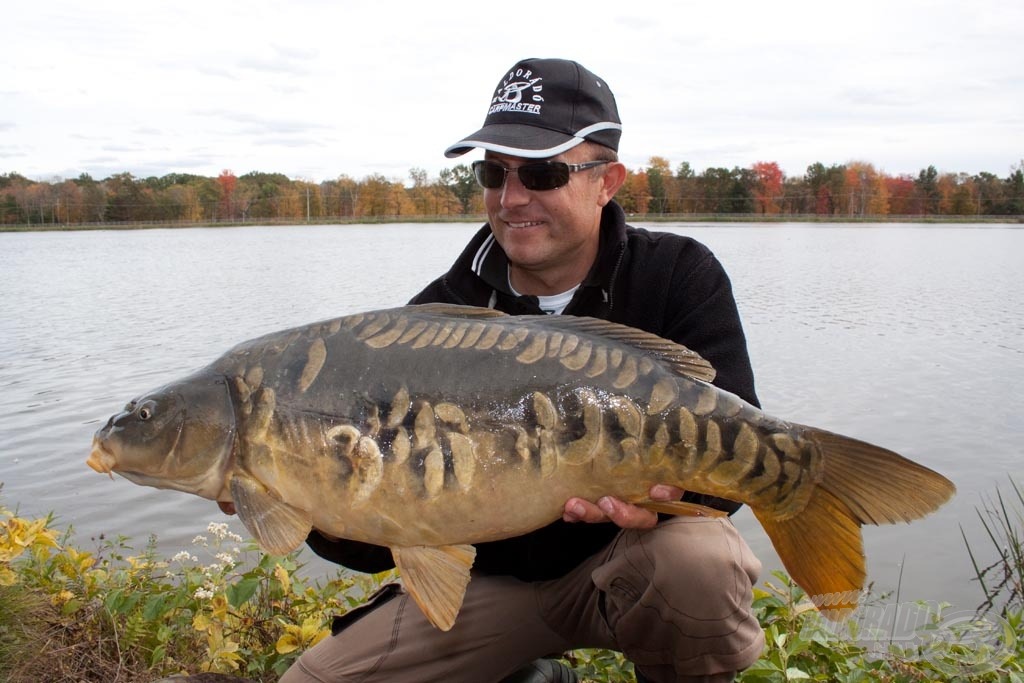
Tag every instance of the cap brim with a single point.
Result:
(517, 140)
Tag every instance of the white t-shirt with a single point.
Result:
(552, 305)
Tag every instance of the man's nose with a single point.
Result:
(512, 192)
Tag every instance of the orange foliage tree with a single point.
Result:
(768, 186)
(227, 182)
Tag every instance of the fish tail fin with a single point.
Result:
(821, 546)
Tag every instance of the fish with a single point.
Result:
(427, 429)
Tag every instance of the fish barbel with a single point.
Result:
(429, 428)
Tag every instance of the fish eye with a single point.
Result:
(146, 410)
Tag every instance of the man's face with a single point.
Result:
(551, 236)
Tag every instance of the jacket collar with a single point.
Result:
(490, 264)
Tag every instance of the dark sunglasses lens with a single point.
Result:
(489, 174)
(546, 176)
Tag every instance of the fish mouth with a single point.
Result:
(100, 459)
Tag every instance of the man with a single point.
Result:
(674, 595)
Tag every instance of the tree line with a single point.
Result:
(854, 189)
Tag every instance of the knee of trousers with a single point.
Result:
(680, 595)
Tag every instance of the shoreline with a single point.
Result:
(938, 220)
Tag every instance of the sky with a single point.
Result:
(316, 89)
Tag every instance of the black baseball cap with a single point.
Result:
(543, 107)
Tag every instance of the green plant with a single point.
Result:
(1002, 581)
(129, 616)
(117, 615)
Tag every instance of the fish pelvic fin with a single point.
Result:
(821, 545)
(436, 578)
(278, 527)
(681, 508)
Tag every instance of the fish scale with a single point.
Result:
(427, 429)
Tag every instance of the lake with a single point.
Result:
(908, 336)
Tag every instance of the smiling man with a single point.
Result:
(673, 595)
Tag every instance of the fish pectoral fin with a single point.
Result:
(278, 527)
(681, 508)
(436, 578)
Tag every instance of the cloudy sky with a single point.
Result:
(317, 88)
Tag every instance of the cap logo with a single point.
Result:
(509, 97)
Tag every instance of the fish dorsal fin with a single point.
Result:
(457, 311)
(436, 578)
(278, 527)
(680, 359)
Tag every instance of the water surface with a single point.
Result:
(911, 337)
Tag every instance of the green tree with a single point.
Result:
(127, 199)
(827, 185)
(659, 179)
(459, 179)
(685, 198)
(927, 185)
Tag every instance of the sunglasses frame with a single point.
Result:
(561, 171)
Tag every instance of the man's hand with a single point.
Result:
(625, 515)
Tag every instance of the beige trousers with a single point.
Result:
(676, 600)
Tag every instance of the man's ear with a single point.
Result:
(611, 180)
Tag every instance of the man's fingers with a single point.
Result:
(609, 509)
(579, 510)
(627, 516)
(666, 492)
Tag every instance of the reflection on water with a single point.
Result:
(907, 336)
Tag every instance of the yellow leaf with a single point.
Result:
(281, 574)
(323, 633)
(7, 577)
(219, 607)
(310, 627)
(201, 622)
(287, 643)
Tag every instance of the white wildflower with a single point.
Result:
(232, 536)
(199, 540)
(203, 594)
(236, 550)
(226, 560)
(183, 556)
(218, 529)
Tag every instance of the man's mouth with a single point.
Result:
(523, 224)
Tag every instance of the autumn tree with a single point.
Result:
(767, 190)
(901, 195)
(227, 182)
(634, 195)
(865, 193)
(340, 196)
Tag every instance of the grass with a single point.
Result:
(121, 615)
(1003, 580)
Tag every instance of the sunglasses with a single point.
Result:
(540, 176)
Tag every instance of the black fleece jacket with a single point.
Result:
(667, 284)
